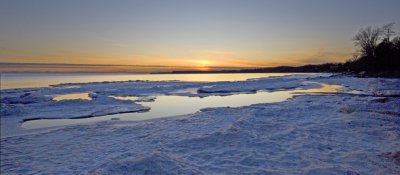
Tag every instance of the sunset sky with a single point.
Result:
(230, 33)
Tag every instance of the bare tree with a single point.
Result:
(388, 30)
(367, 40)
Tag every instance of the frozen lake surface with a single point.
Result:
(75, 103)
(173, 105)
(293, 124)
(28, 80)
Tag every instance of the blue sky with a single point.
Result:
(186, 32)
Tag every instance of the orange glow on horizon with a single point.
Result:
(165, 61)
(202, 63)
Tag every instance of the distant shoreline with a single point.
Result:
(157, 69)
(321, 68)
(6, 67)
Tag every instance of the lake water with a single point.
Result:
(162, 107)
(27, 80)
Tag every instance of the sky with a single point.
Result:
(227, 33)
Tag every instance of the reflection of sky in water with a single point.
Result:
(75, 96)
(131, 98)
(166, 106)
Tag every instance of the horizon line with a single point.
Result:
(120, 65)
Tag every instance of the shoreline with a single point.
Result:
(310, 134)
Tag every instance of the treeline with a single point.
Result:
(378, 53)
(327, 67)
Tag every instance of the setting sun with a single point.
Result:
(202, 63)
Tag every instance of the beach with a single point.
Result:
(354, 130)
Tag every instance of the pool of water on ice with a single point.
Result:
(172, 105)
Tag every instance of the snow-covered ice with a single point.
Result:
(355, 131)
(39, 103)
(174, 105)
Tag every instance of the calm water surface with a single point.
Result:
(75, 96)
(26, 80)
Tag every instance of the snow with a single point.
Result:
(343, 133)
(272, 83)
(173, 105)
(18, 105)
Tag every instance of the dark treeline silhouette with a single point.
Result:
(378, 54)
(286, 69)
